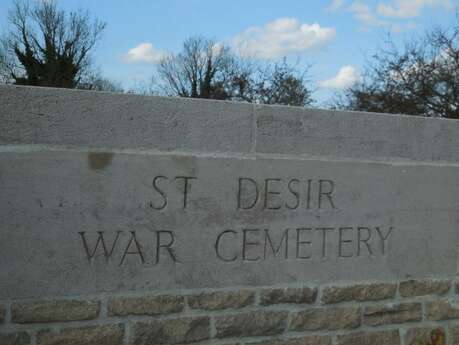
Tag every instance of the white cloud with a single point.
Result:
(363, 13)
(144, 52)
(347, 76)
(370, 17)
(282, 37)
(410, 8)
(335, 5)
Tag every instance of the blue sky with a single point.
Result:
(335, 36)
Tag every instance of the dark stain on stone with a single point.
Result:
(437, 337)
(99, 160)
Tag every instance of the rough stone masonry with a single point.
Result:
(145, 220)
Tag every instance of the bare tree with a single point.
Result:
(95, 81)
(281, 83)
(203, 69)
(46, 46)
(422, 78)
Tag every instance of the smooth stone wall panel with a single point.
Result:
(242, 222)
(31, 115)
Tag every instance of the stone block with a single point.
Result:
(17, 338)
(171, 331)
(288, 295)
(425, 336)
(442, 310)
(145, 305)
(52, 116)
(391, 314)
(453, 332)
(89, 335)
(360, 293)
(307, 340)
(413, 288)
(390, 337)
(65, 206)
(326, 319)
(250, 324)
(54, 311)
(354, 135)
(2, 313)
(221, 300)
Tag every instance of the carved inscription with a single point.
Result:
(278, 193)
(247, 244)
(163, 197)
(302, 243)
(125, 245)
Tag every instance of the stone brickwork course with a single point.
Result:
(242, 316)
(145, 220)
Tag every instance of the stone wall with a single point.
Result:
(145, 220)
(411, 312)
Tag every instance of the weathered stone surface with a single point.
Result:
(72, 117)
(18, 338)
(91, 119)
(299, 131)
(90, 335)
(288, 295)
(391, 337)
(425, 336)
(145, 305)
(251, 324)
(412, 288)
(442, 310)
(221, 300)
(50, 311)
(389, 314)
(195, 194)
(453, 331)
(45, 195)
(2, 313)
(326, 319)
(174, 331)
(367, 292)
(308, 340)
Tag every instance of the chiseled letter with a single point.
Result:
(324, 239)
(217, 246)
(342, 241)
(362, 239)
(185, 187)
(276, 251)
(328, 193)
(384, 238)
(246, 180)
(100, 241)
(295, 193)
(269, 193)
(161, 192)
(138, 249)
(167, 246)
(300, 242)
(246, 244)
